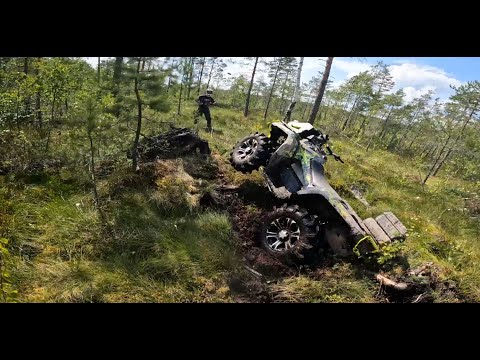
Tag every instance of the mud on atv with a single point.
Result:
(314, 214)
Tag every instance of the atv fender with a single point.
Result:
(357, 228)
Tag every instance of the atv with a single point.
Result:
(313, 214)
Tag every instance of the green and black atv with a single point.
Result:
(314, 215)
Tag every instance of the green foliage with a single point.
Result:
(7, 291)
(388, 252)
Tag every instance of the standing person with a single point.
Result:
(204, 102)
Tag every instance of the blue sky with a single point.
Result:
(416, 75)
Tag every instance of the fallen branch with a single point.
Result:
(420, 270)
(419, 297)
(227, 188)
(254, 272)
(353, 141)
(383, 280)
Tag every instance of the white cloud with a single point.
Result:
(350, 67)
(412, 93)
(415, 74)
(418, 79)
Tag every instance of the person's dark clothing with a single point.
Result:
(204, 102)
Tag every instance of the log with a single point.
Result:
(380, 236)
(383, 280)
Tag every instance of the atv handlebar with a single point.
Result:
(335, 156)
(322, 140)
(338, 158)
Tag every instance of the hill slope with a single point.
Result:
(165, 245)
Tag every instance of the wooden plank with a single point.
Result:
(388, 227)
(380, 236)
(394, 220)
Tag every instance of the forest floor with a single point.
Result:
(167, 243)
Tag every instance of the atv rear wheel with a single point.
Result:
(250, 153)
(288, 232)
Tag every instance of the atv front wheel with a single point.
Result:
(288, 231)
(250, 153)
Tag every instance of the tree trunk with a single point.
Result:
(442, 162)
(98, 70)
(117, 77)
(139, 119)
(410, 123)
(431, 150)
(392, 140)
(38, 99)
(27, 99)
(280, 103)
(297, 93)
(96, 198)
(52, 119)
(362, 125)
(456, 140)
(344, 108)
(426, 150)
(414, 138)
(438, 158)
(247, 102)
(25, 66)
(271, 92)
(200, 77)
(180, 96)
(352, 111)
(383, 128)
(117, 74)
(190, 77)
(321, 91)
(17, 110)
(210, 74)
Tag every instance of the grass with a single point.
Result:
(165, 248)
(338, 284)
(155, 255)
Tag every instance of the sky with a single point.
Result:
(416, 75)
